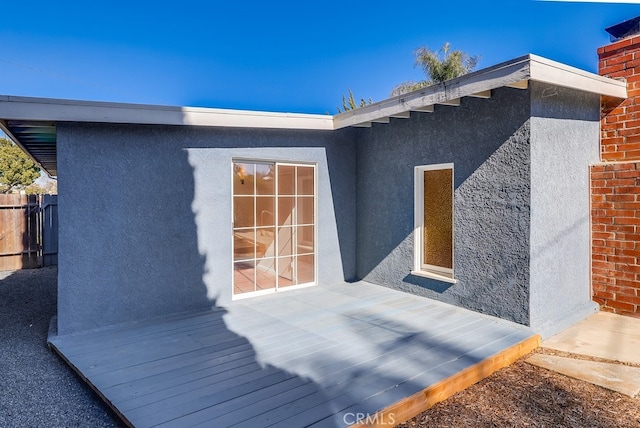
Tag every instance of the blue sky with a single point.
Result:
(276, 56)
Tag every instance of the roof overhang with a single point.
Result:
(515, 74)
(31, 122)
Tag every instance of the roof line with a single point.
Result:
(513, 73)
(28, 108)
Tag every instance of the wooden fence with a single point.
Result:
(28, 231)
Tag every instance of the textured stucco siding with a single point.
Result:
(145, 215)
(487, 140)
(145, 211)
(564, 141)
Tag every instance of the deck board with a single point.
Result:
(299, 358)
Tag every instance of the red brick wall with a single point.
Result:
(615, 220)
(620, 127)
(615, 187)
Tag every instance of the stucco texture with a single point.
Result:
(145, 215)
(521, 204)
(145, 211)
(487, 140)
(565, 141)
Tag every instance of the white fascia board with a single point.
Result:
(555, 73)
(26, 108)
(515, 73)
(473, 83)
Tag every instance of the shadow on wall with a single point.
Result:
(156, 269)
(212, 158)
(488, 143)
(387, 155)
(150, 263)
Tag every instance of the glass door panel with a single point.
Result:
(273, 226)
(306, 180)
(244, 244)
(286, 180)
(285, 210)
(305, 210)
(243, 178)
(285, 241)
(305, 240)
(265, 179)
(306, 269)
(244, 277)
(286, 274)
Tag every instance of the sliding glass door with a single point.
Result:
(274, 227)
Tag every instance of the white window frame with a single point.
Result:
(278, 289)
(421, 269)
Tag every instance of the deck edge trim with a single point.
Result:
(52, 345)
(417, 403)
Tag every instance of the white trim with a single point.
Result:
(419, 268)
(433, 275)
(555, 73)
(26, 108)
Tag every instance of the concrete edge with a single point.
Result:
(609, 375)
(550, 328)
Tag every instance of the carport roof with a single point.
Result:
(31, 122)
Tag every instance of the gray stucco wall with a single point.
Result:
(488, 142)
(145, 211)
(145, 215)
(521, 201)
(564, 141)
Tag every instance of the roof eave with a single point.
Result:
(16, 141)
(27, 108)
(515, 73)
(555, 73)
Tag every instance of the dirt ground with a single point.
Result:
(523, 395)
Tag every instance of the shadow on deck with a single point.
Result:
(321, 356)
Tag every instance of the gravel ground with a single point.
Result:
(37, 389)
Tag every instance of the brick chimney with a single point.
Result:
(615, 182)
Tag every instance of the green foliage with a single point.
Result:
(445, 64)
(438, 67)
(408, 86)
(17, 170)
(349, 103)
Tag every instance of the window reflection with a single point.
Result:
(243, 211)
(306, 185)
(243, 178)
(265, 179)
(265, 211)
(305, 210)
(286, 180)
(273, 226)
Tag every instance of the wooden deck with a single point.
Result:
(320, 356)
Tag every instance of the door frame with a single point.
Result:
(277, 287)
